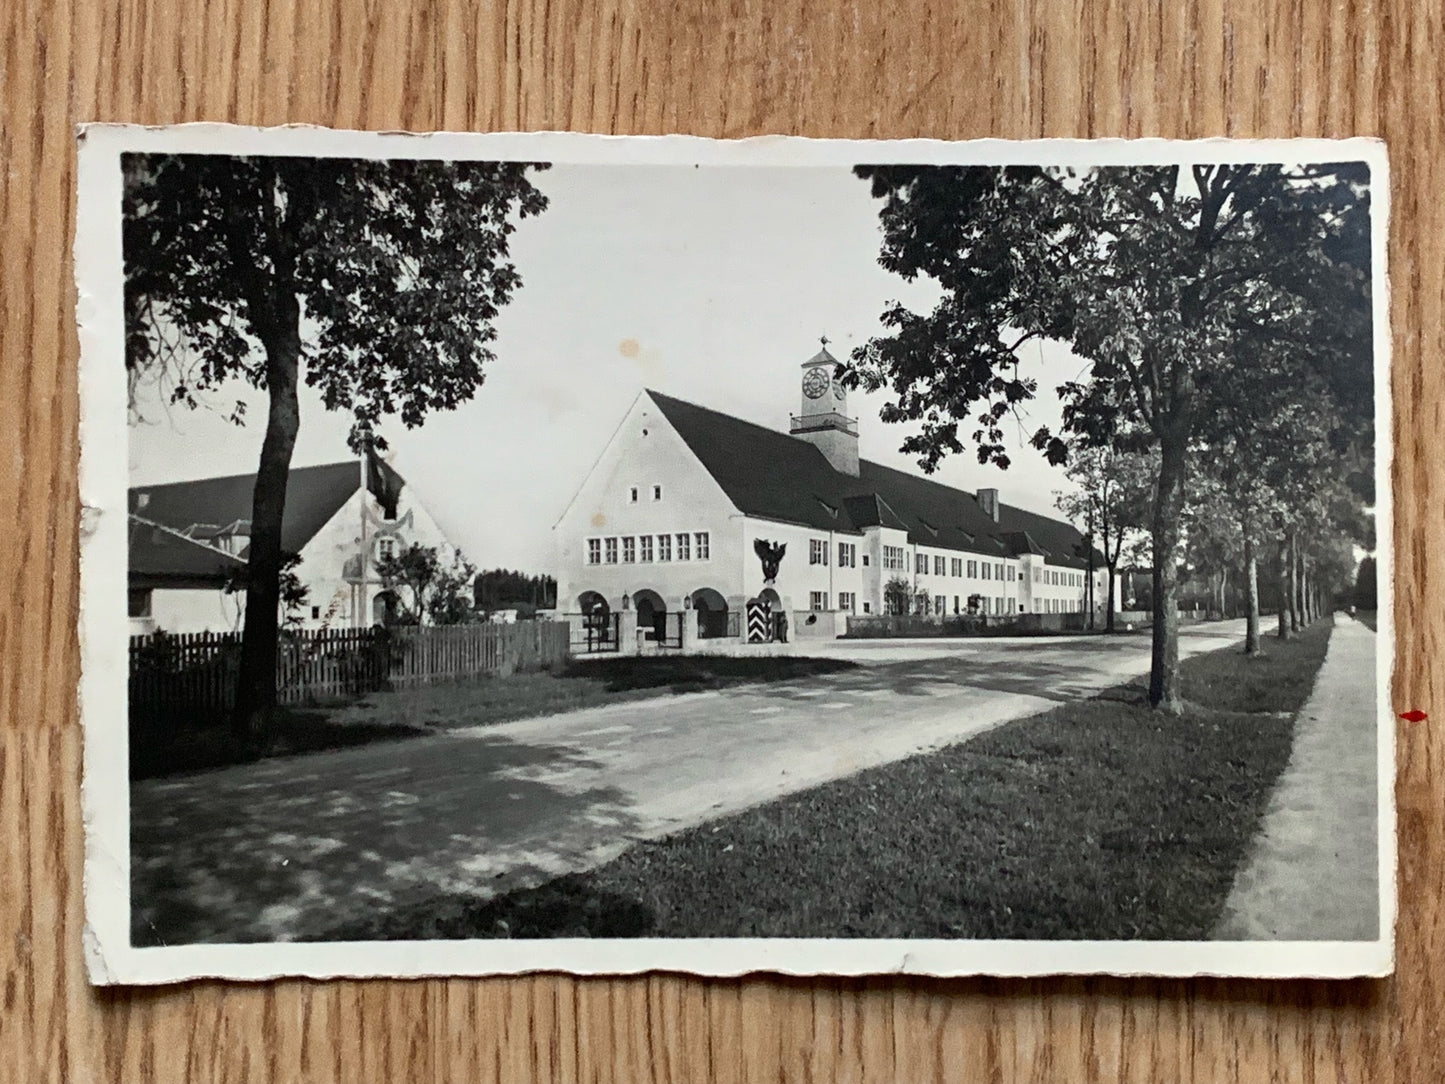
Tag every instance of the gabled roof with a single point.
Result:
(162, 557)
(771, 475)
(313, 496)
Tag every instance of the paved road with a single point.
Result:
(1313, 873)
(286, 849)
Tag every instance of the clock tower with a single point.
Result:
(823, 421)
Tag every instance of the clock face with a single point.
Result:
(815, 383)
(838, 391)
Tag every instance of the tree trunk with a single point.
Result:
(1292, 558)
(1109, 613)
(1283, 584)
(256, 689)
(1251, 594)
(1164, 692)
(1307, 592)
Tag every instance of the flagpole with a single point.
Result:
(361, 608)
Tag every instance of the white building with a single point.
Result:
(683, 503)
(188, 539)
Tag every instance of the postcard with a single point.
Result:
(549, 552)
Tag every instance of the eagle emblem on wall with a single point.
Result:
(771, 555)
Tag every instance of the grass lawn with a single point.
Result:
(186, 746)
(1096, 820)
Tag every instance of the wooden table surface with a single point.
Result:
(1014, 68)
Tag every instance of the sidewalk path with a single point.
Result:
(1313, 872)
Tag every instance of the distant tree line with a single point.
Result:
(507, 589)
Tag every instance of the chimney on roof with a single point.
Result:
(988, 501)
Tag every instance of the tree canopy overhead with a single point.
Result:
(1177, 286)
(397, 267)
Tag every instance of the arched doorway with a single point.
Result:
(597, 621)
(712, 613)
(651, 613)
(385, 609)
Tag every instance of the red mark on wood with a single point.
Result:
(1414, 715)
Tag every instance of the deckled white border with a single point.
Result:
(103, 628)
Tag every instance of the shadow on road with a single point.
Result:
(282, 850)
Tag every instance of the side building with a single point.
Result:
(690, 509)
(188, 541)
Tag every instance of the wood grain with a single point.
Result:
(1015, 68)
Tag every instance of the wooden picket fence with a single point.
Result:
(197, 672)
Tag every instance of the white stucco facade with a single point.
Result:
(650, 522)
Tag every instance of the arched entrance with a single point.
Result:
(597, 623)
(712, 613)
(385, 609)
(651, 613)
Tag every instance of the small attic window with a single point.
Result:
(930, 528)
(833, 512)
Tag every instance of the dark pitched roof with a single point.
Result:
(313, 496)
(1060, 541)
(160, 557)
(774, 476)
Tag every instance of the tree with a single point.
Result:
(1366, 586)
(897, 595)
(292, 593)
(416, 568)
(375, 282)
(1112, 501)
(1157, 277)
(450, 601)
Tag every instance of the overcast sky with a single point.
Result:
(712, 284)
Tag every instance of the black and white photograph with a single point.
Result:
(553, 552)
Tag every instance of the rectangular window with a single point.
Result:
(817, 551)
(998, 571)
(645, 545)
(867, 607)
(610, 547)
(846, 601)
(893, 558)
(385, 549)
(955, 566)
(987, 570)
(701, 544)
(594, 551)
(865, 565)
(847, 555)
(920, 563)
(955, 604)
(664, 547)
(632, 494)
(657, 493)
(939, 563)
(629, 550)
(973, 570)
(818, 600)
(940, 604)
(684, 546)
(315, 612)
